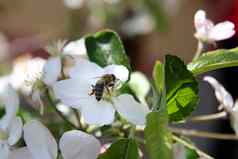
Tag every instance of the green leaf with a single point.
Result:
(214, 60)
(181, 88)
(157, 136)
(191, 154)
(158, 75)
(106, 48)
(122, 149)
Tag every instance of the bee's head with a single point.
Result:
(113, 77)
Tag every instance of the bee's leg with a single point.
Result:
(108, 90)
(93, 90)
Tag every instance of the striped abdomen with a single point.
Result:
(99, 89)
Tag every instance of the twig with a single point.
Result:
(190, 146)
(204, 118)
(52, 104)
(204, 134)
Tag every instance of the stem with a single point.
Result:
(190, 146)
(77, 115)
(199, 50)
(52, 104)
(204, 118)
(204, 134)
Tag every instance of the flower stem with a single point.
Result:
(204, 134)
(77, 115)
(204, 118)
(199, 50)
(52, 104)
(190, 146)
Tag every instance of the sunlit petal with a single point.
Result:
(86, 70)
(72, 92)
(222, 31)
(15, 131)
(79, 145)
(52, 70)
(130, 109)
(98, 113)
(120, 71)
(39, 141)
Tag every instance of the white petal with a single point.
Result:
(21, 153)
(4, 151)
(11, 102)
(120, 71)
(52, 70)
(98, 113)
(130, 109)
(40, 141)
(221, 93)
(76, 48)
(79, 145)
(199, 18)
(86, 70)
(140, 85)
(15, 131)
(222, 31)
(72, 91)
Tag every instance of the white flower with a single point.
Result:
(206, 31)
(73, 144)
(51, 70)
(25, 73)
(76, 48)
(10, 125)
(224, 97)
(75, 91)
(139, 85)
(65, 56)
(226, 101)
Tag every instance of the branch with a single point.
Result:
(204, 134)
(190, 146)
(204, 118)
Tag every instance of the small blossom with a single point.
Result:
(206, 31)
(222, 95)
(73, 144)
(74, 92)
(10, 125)
(226, 101)
(25, 73)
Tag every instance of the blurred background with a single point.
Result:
(149, 30)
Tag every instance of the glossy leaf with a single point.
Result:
(181, 88)
(122, 149)
(214, 60)
(106, 48)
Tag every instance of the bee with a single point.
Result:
(106, 82)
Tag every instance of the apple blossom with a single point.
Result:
(226, 101)
(74, 92)
(73, 144)
(10, 125)
(206, 31)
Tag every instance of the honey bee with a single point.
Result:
(107, 81)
